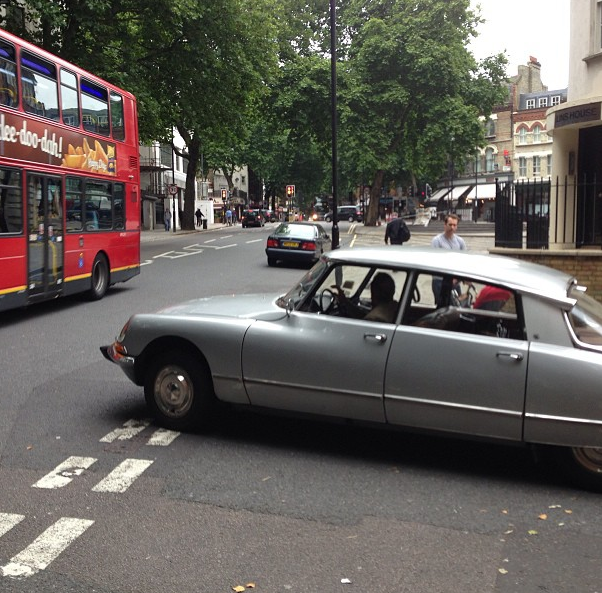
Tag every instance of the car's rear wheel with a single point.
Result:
(350, 219)
(327, 218)
(582, 465)
(178, 390)
(100, 278)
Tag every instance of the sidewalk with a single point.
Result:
(160, 234)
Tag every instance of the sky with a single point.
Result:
(524, 28)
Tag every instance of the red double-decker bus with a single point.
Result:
(69, 179)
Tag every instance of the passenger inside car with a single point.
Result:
(382, 302)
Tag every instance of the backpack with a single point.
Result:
(401, 232)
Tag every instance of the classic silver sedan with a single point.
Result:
(438, 340)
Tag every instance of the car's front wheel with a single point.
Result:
(178, 390)
(583, 466)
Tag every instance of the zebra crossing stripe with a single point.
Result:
(8, 521)
(130, 429)
(122, 477)
(63, 473)
(45, 548)
(162, 437)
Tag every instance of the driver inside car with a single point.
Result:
(384, 306)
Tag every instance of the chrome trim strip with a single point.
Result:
(444, 404)
(563, 419)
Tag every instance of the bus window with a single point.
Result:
(11, 201)
(69, 99)
(8, 75)
(117, 116)
(95, 108)
(119, 206)
(73, 207)
(98, 200)
(39, 86)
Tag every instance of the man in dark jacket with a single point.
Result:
(397, 231)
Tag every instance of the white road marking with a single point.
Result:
(163, 437)
(218, 247)
(8, 521)
(209, 240)
(123, 476)
(45, 548)
(254, 241)
(146, 262)
(130, 429)
(63, 473)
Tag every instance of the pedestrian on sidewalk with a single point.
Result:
(448, 239)
(397, 231)
(229, 217)
(199, 217)
(167, 218)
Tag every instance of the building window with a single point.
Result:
(489, 160)
(530, 103)
(555, 100)
(543, 101)
(549, 164)
(536, 166)
(522, 167)
(490, 128)
(536, 133)
(522, 136)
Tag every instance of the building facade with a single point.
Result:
(576, 128)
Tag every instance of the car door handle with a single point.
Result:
(376, 337)
(513, 355)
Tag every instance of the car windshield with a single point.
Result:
(295, 230)
(303, 286)
(585, 318)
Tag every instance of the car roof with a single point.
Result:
(517, 274)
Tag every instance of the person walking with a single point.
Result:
(199, 217)
(229, 217)
(448, 239)
(167, 218)
(397, 231)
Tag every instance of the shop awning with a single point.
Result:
(485, 191)
(457, 192)
(432, 201)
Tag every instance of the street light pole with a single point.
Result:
(333, 101)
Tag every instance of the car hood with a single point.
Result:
(247, 306)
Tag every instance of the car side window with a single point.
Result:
(464, 305)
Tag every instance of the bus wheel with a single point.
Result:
(100, 278)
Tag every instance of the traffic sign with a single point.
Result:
(172, 189)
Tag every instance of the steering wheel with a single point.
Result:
(328, 301)
(466, 299)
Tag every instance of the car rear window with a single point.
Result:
(299, 231)
(585, 319)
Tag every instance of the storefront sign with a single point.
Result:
(577, 115)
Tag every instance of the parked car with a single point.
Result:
(525, 369)
(301, 242)
(350, 213)
(252, 218)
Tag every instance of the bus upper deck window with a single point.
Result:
(8, 75)
(69, 98)
(95, 107)
(39, 86)
(117, 116)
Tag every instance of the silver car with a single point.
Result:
(437, 340)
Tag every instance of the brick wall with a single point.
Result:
(584, 264)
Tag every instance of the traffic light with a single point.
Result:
(290, 191)
(224, 194)
(429, 191)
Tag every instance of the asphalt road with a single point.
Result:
(94, 497)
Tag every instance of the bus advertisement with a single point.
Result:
(69, 179)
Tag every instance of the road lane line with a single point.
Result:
(162, 437)
(46, 547)
(129, 430)
(8, 521)
(63, 473)
(123, 476)
(254, 241)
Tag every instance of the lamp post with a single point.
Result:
(333, 116)
(451, 176)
